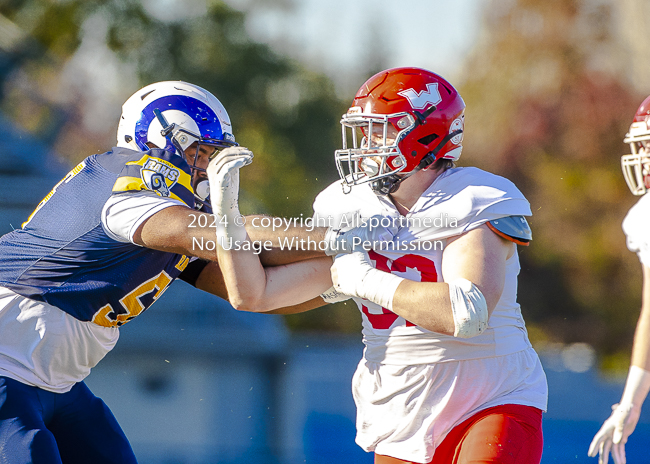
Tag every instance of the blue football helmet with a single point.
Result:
(173, 115)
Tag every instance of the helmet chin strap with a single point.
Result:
(386, 185)
(390, 184)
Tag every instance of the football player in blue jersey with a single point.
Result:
(99, 249)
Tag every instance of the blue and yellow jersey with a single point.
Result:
(62, 255)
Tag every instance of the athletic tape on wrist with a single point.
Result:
(332, 295)
(379, 287)
(637, 386)
(469, 308)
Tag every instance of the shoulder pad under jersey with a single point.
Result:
(513, 228)
(158, 171)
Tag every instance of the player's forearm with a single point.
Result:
(299, 308)
(244, 277)
(284, 242)
(474, 278)
(254, 288)
(641, 347)
(180, 230)
(184, 231)
(296, 283)
(425, 304)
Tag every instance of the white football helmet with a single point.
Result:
(636, 166)
(173, 115)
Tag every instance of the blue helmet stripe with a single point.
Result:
(205, 118)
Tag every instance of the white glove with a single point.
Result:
(615, 431)
(362, 238)
(353, 274)
(223, 175)
(613, 434)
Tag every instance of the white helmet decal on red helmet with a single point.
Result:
(421, 100)
(457, 124)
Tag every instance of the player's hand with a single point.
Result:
(225, 156)
(614, 432)
(349, 271)
(223, 175)
(353, 274)
(376, 230)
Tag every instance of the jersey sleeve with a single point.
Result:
(463, 199)
(636, 226)
(124, 213)
(193, 270)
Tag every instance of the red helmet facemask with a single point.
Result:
(401, 120)
(636, 166)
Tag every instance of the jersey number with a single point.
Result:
(426, 268)
(131, 303)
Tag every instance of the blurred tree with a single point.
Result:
(548, 107)
(287, 115)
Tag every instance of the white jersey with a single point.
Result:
(636, 226)
(459, 200)
(415, 385)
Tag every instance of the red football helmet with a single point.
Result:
(636, 167)
(401, 120)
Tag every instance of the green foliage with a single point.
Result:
(287, 115)
(284, 113)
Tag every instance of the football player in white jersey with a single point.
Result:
(613, 434)
(448, 373)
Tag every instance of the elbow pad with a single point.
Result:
(469, 308)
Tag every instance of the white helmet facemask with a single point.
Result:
(636, 166)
